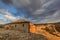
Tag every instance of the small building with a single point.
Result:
(23, 26)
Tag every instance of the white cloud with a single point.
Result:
(7, 14)
(10, 17)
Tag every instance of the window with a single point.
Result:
(15, 25)
(23, 25)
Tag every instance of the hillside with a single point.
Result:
(21, 21)
(51, 30)
(17, 34)
(48, 31)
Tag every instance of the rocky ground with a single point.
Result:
(18, 35)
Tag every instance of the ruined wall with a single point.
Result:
(23, 27)
(30, 27)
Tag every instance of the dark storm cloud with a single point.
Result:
(7, 1)
(39, 11)
(49, 12)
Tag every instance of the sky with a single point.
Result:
(36, 11)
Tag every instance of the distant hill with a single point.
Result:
(58, 22)
(21, 21)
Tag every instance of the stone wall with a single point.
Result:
(23, 27)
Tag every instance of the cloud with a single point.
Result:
(7, 14)
(10, 17)
(48, 13)
(17, 3)
(3, 19)
(37, 11)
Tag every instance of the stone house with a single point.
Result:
(20, 26)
